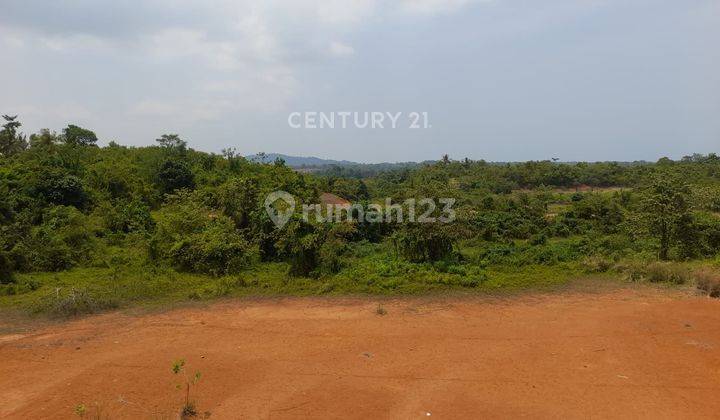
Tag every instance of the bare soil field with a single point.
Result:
(621, 353)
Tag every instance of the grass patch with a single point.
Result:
(91, 290)
(366, 269)
(75, 302)
(655, 271)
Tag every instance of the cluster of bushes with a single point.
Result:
(194, 238)
(62, 238)
(418, 242)
(64, 202)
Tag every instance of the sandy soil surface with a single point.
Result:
(629, 353)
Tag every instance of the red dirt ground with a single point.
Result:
(628, 353)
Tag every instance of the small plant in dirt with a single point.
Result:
(380, 310)
(189, 409)
(81, 410)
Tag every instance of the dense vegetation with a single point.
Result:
(84, 227)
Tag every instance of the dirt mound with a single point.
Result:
(627, 353)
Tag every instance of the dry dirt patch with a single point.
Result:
(621, 353)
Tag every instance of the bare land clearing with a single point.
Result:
(628, 352)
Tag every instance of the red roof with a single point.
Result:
(327, 198)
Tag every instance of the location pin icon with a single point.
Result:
(280, 216)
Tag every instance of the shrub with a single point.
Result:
(538, 239)
(473, 281)
(63, 240)
(708, 281)
(126, 217)
(194, 238)
(313, 249)
(667, 273)
(238, 199)
(497, 253)
(222, 286)
(174, 174)
(655, 272)
(6, 269)
(75, 302)
(217, 250)
(633, 271)
(597, 264)
(299, 243)
(60, 188)
(329, 255)
(707, 233)
(423, 242)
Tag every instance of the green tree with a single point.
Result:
(239, 200)
(172, 142)
(57, 186)
(666, 213)
(173, 175)
(44, 138)
(79, 136)
(11, 142)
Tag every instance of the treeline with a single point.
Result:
(65, 202)
(480, 176)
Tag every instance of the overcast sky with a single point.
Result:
(500, 79)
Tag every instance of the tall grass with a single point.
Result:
(708, 281)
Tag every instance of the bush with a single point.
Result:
(299, 243)
(127, 217)
(708, 281)
(313, 249)
(473, 281)
(194, 238)
(217, 250)
(6, 269)
(538, 239)
(19, 288)
(658, 272)
(423, 242)
(597, 264)
(633, 271)
(61, 189)
(174, 174)
(63, 240)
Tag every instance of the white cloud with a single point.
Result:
(155, 108)
(174, 43)
(228, 57)
(431, 7)
(73, 42)
(65, 110)
(343, 11)
(339, 49)
(10, 40)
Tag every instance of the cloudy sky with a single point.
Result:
(500, 79)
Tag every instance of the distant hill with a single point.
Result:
(300, 161)
(336, 168)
